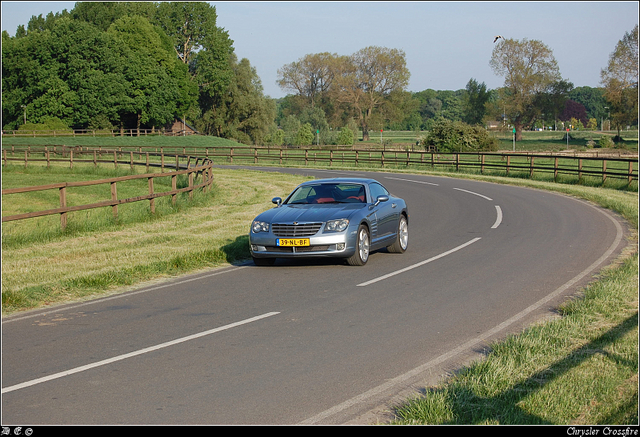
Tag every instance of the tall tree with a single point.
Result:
(474, 102)
(188, 24)
(620, 80)
(529, 69)
(153, 93)
(242, 112)
(368, 78)
(310, 76)
(103, 14)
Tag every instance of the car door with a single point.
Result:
(386, 213)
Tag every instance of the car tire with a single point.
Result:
(402, 238)
(363, 245)
(264, 262)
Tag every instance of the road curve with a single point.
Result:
(311, 342)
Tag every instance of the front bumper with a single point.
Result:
(263, 245)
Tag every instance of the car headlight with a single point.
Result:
(258, 226)
(336, 225)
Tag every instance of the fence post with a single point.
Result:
(63, 204)
(630, 171)
(580, 169)
(114, 197)
(531, 166)
(190, 185)
(555, 169)
(147, 162)
(152, 201)
(604, 171)
(115, 159)
(174, 186)
(131, 159)
(71, 158)
(161, 160)
(95, 158)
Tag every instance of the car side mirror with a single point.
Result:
(277, 201)
(381, 199)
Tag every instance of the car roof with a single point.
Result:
(340, 180)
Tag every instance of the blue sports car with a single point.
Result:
(343, 217)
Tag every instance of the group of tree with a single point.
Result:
(131, 65)
(368, 87)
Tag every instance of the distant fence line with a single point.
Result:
(576, 164)
(199, 166)
(95, 133)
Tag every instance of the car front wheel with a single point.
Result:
(360, 257)
(402, 239)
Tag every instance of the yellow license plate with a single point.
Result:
(289, 242)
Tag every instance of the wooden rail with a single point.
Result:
(93, 133)
(603, 167)
(529, 163)
(205, 169)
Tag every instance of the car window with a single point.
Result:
(328, 193)
(377, 190)
(301, 195)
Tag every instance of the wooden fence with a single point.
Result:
(601, 167)
(524, 164)
(91, 133)
(203, 169)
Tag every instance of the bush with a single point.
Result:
(456, 136)
(346, 137)
(305, 136)
(605, 142)
(52, 123)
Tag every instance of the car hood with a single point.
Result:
(309, 213)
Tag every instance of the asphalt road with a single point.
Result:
(313, 342)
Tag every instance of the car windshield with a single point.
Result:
(328, 193)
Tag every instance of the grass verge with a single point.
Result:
(581, 369)
(41, 265)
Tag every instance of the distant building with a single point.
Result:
(493, 125)
(180, 128)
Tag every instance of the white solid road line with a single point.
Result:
(397, 272)
(475, 194)
(410, 180)
(133, 354)
(498, 218)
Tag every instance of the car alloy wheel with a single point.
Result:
(402, 239)
(362, 248)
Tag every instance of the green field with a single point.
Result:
(547, 141)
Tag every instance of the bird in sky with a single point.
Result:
(497, 38)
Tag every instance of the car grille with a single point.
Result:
(299, 230)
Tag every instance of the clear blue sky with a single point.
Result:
(446, 43)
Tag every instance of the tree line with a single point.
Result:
(134, 65)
